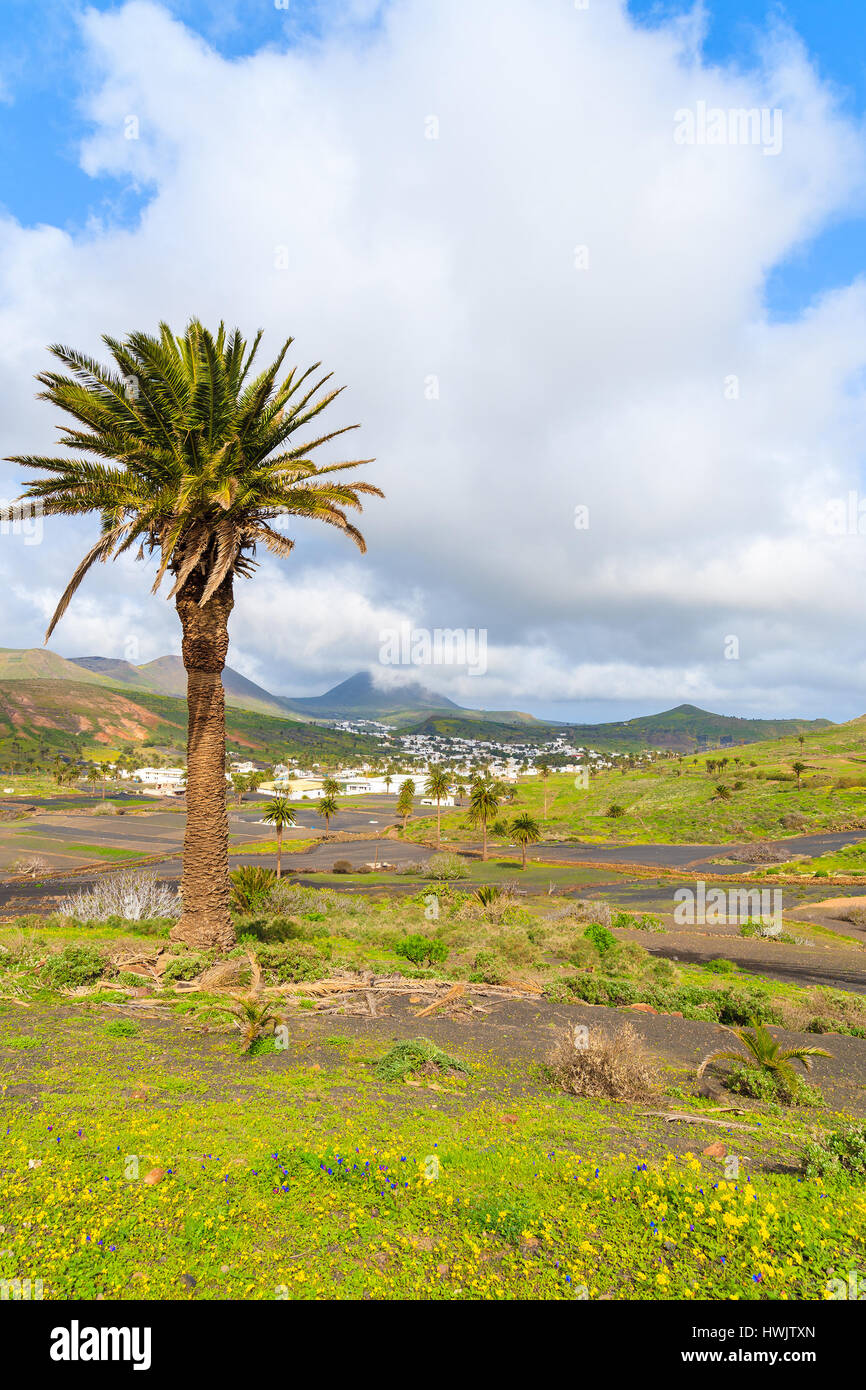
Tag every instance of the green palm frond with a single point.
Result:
(181, 452)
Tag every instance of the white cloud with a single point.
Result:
(454, 258)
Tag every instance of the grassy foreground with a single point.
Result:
(278, 1182)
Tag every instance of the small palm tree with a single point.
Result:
(484, 798)
(279, 813)
(615, 811)
(327, 809)
(544, 773)
(180, 453)
(799, 768)
(526, 831)
(723, 793)
(405, 797)
(94, 776)
(760, 1049)
(241, 784)
(438, 783)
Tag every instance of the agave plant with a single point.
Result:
(760, 1049)
(251, 886)
(487, 894)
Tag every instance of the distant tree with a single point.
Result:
(484, 798)
(405, 798)
(94, 776)
(544, 774)
(104, 770)
(799, 768)
(327, 809)
(241, 784)
(279, 813)
(525, 830)
(331, 787)
(437, 785)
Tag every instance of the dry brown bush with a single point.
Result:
(615, 1066)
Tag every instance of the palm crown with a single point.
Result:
(187, 456)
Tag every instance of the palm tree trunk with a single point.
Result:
(438, 825)
(523, 847)
(206, 918)
(483, 840)
(279, 851)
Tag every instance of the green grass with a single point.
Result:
(273, 1190)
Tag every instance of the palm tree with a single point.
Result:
(279, 813)
(615, 811)
(327, 808)
(405, 797)
(544, 773)
(526, 831)
(438, 783)
(94, 776)
(241, 784)
(181, 454)
(104, 769)
(723, 793)
(762, 1050)
(484, 798)
(799, 768)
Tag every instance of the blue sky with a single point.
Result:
(42, 77)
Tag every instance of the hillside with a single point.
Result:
(41, 718)
(166, 676)
(683, 729)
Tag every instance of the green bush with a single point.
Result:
(842, 1151)
(73, 966)
(294, 961)
(489, 968)
(185, 967)
(601, 937)
(421, 950)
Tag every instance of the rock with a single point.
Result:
(153, 1177)
(643, 1008)
(189, 1280)
(139, 1095)
(422, 1243)
(442, 1269)
(716, 1150)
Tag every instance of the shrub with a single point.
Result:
(601, 937)
(271, 929)
(185, 967)
(294, 962)
(129, 896)
(414, 1055)
(448, 868)
(603, 1066)
(489, 969)
(842, 1151)
(343, 866)
(73, 966)
(421, 950)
